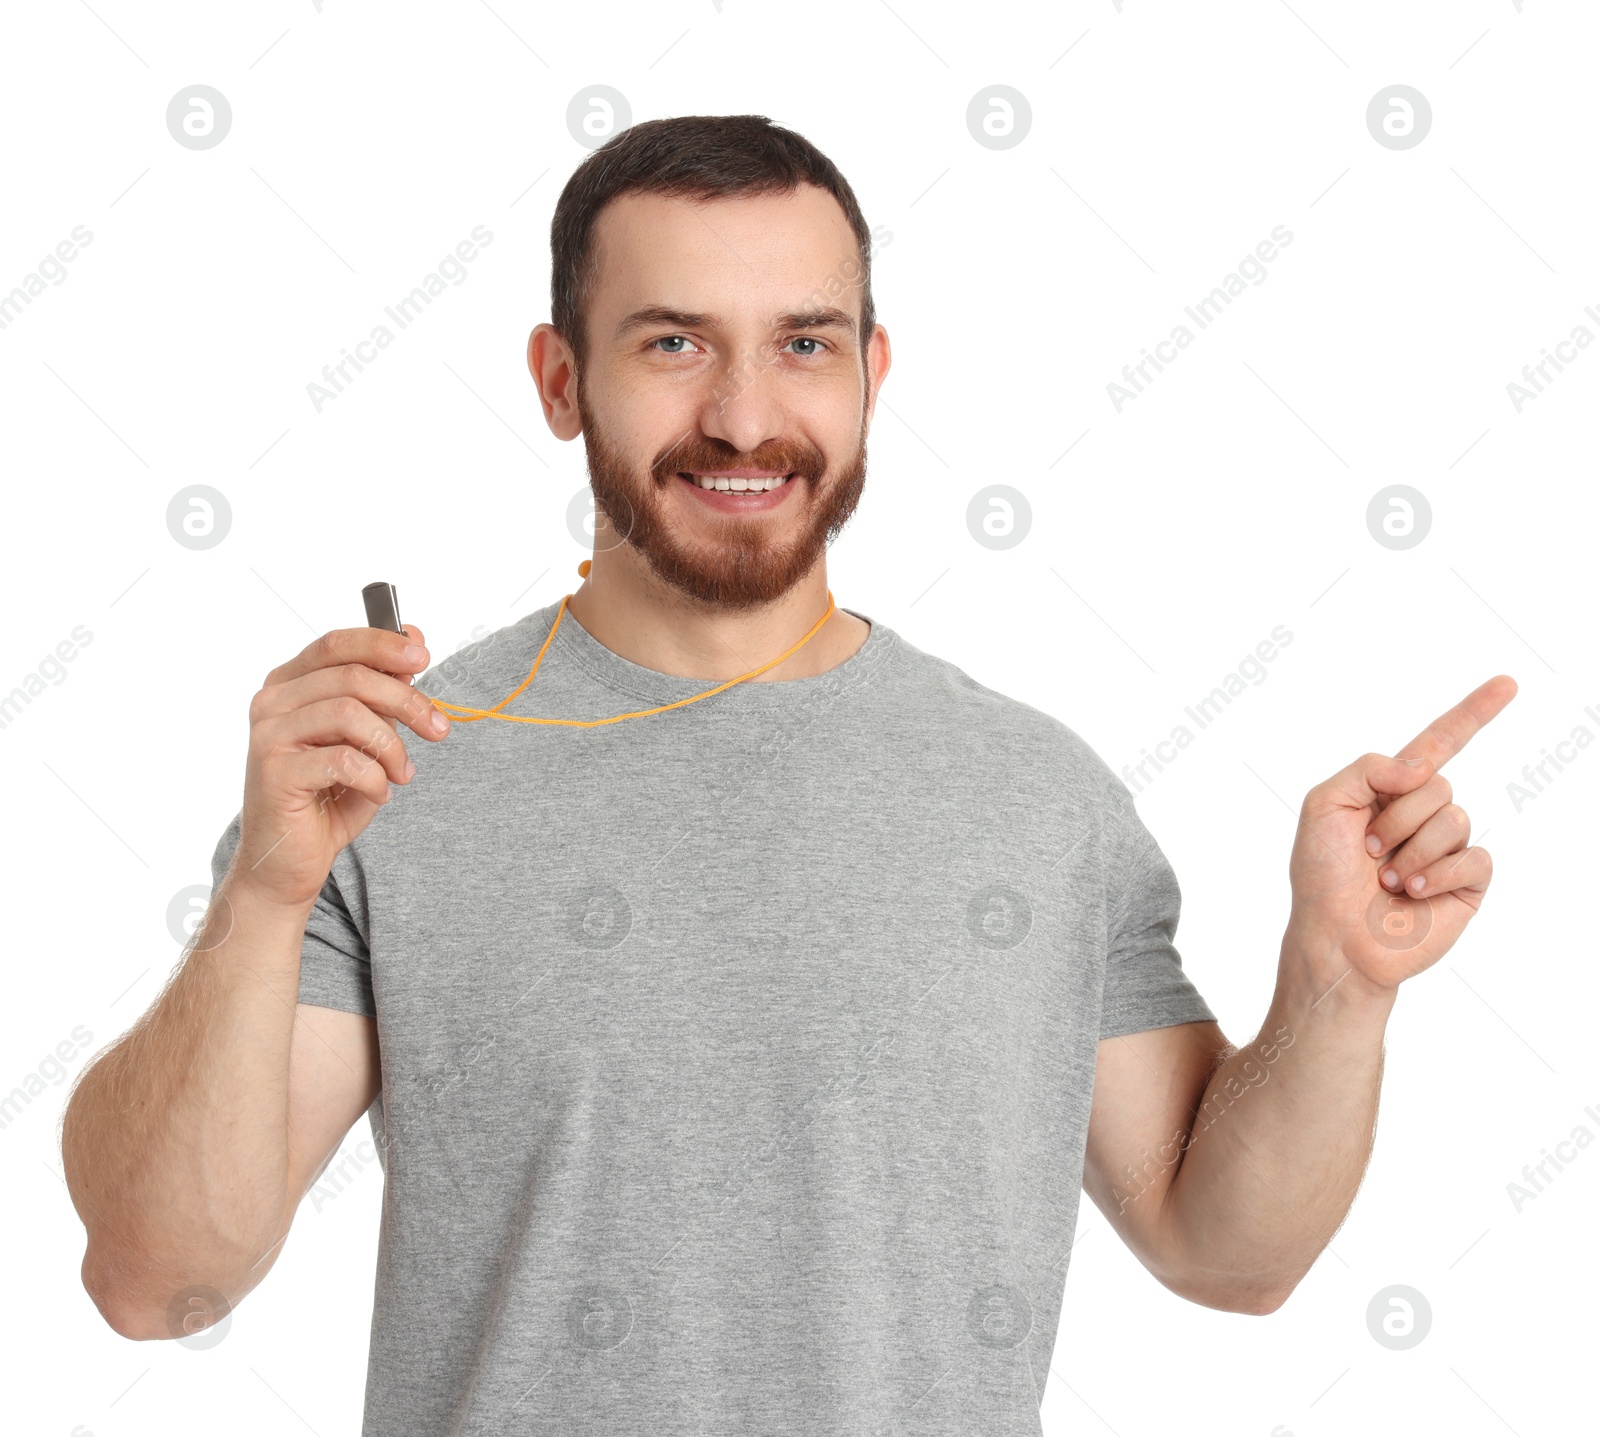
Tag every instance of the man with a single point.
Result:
(738, 1039)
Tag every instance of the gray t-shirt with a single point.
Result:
(736, 1059)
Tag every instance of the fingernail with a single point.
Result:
(1390, 878)
(438, 722)
(1374, 844)
(411, 768)
(1414, 762)
(1418, 883)
(415, 654)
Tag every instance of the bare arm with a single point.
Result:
(1282, 1136)
(1147, 1089)
(1228, 1171)
(188, 1145)
(1225, 1170)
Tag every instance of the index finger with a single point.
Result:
(1448, 733)
(402, 655)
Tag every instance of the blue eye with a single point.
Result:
(685, 345)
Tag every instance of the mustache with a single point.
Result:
(696, 454)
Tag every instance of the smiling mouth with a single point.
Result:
(737, 483)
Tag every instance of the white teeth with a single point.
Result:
(737, 486)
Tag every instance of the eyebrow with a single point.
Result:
(653, 315)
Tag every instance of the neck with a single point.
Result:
(625, 607)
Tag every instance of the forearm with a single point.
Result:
(175, 1143)
(1281, 1140)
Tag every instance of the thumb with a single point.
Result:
(1376, 778)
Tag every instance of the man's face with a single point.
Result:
(724, 340)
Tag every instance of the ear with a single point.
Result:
(878, 361)
(555, 376)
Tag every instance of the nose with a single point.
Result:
(743, 406)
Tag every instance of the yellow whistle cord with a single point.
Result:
(462, 714)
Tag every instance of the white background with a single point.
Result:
(1167, 140)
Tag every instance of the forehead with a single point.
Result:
(739, 255)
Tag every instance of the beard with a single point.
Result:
(743, 565)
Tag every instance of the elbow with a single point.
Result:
(134, 1323)
(1247, 1295)
(1262, 1303)
(124, 1316)
(1261, 1294)
(127, 1309)
(1220, 1285)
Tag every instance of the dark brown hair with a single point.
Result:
(698, 157)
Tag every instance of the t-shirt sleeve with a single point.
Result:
(335, 966)
(1146, 986)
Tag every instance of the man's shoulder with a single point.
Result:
(1015, 731)
(481, 661)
